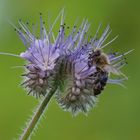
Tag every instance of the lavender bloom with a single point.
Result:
(75, 62)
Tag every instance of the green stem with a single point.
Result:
(34, 120)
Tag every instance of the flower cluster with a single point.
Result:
(75, 63)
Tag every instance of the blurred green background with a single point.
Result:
(117, 115)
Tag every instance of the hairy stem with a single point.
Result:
(35, 119)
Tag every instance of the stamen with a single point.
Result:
(10, 54)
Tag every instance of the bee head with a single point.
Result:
(97, 52)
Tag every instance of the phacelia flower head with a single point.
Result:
(76, 63)
(41, 55)
(86, 69)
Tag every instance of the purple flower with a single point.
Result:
(42, 60)
(86, 69)
(75, 63)
(41, 55)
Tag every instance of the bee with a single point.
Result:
(103, 66)
(101, 61)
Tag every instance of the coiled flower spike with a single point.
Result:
(74, 68)
(41, 55)
(86, 69)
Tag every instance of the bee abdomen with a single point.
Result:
(100, 81)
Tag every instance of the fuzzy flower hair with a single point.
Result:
(75, 63)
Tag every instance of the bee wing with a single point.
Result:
(114, 70)
(111, 69)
